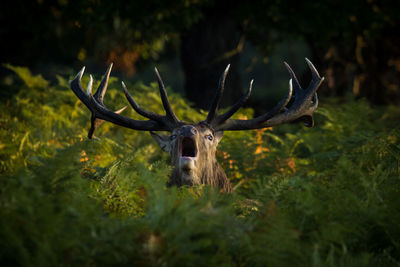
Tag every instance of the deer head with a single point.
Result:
(193, 146)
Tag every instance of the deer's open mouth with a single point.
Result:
(188, 148)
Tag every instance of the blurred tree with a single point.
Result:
(355, 43)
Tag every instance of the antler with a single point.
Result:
(100, 113)
(301, 107)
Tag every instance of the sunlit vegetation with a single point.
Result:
(322, 196)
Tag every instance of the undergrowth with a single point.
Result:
(325, 196)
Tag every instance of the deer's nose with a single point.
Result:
(187, 131)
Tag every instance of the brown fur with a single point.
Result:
(206, 169)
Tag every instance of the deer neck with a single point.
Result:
(212, 174)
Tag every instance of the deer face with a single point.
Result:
(192, 149)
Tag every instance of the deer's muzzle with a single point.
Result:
(187, 143)
(187, 147)
(187, 154)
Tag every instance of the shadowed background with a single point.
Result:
(353, 44)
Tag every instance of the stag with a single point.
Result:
(192, 146)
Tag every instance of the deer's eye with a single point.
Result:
(172, 137)
(209, 137)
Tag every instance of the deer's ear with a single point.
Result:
(218, 136)
(163, 141)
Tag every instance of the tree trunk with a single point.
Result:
(380, 69)
(206, 49)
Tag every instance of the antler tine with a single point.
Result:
(316, 78)
(101, 91)
(220, 119)
(90, 84)
(167, 106)
(217, 98)
(138, 109)
(293, 77)
(76, 87)
(314, 72)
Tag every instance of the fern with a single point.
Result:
(326, 196)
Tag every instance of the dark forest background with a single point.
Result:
(354, 44)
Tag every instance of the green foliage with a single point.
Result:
(326, 196)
